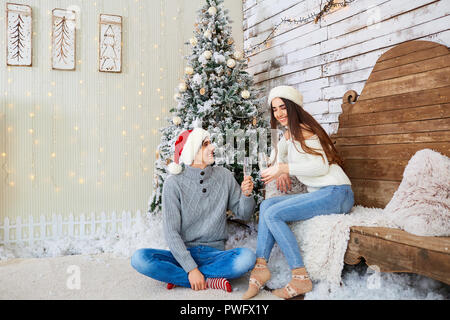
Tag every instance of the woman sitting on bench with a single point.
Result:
(307, 152)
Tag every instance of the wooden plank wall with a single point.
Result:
(337, 54)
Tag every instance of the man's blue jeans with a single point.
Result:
(277, 211)
(212, 263)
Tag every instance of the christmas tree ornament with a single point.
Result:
(231, 63)
(207, 54)
(182, 87)
(202, 91)
(230, 41)
(188, 70)
(212, 11)
(207, 34)
(176, 121)
(193, 41)
(254, 122)
(245, 94)
(238, 54)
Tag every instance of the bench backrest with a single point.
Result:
(403, 108)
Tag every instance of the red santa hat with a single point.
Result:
(186, 147)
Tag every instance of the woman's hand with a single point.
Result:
(274, 172)
(197, 280)
(247, 186)
(284, 182)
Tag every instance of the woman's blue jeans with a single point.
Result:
(212, 263)
(277, 211)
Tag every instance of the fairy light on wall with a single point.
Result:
(53, 151)
(5, 144)
(125, 132)
(32, 175)
(140, 111)
(102, 124)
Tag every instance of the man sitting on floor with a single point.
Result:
(194, 204)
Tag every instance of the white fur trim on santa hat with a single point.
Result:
(192, 145)
(286, 92)
(174, 168)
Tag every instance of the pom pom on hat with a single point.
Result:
(186, 147)
(286, 92)
(174, 168)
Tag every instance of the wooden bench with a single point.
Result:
(403, 108)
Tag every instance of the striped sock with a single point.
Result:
(170, 286)
(212, 283)
(218, 283)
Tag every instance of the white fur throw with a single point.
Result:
(420, 206)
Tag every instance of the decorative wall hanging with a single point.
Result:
(110, 43)
(19, 35)
(63, 39)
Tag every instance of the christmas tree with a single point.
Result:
(217, 94)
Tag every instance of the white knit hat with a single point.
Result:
(286, 92)
(186, 147)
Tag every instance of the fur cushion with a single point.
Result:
(421, 204)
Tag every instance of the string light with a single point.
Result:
(296, 21)
(32, 115)
(140, 130)
(53, 154)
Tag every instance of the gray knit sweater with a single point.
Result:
(194, 205)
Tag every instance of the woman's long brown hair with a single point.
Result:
(296, 116)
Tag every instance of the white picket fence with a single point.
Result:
(80, 227)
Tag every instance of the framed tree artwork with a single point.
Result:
(63, 39)
(110, 43)
(19, 35)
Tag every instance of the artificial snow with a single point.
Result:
(358, 282)
(197, 79)
(218, 58)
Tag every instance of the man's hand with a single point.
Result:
(284, 183)
(247, 185)
(197, 280)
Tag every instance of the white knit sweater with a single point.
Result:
(310, 169)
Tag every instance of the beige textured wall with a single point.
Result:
(84, 141)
